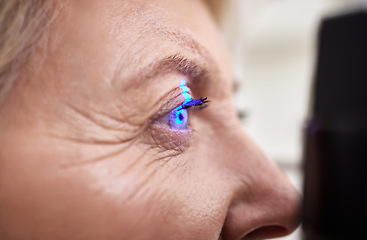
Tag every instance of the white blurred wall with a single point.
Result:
(274, 44)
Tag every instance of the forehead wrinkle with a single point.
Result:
(182, 39)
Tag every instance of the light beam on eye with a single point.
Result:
(185, 91)
(181, 114)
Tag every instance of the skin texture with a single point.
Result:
(82, 155)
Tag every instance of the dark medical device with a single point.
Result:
(335, 153)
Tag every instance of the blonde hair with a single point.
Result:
(22, 24)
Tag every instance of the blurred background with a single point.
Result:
(273, 44)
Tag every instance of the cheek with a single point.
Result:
(126, 195)
(76, 204)
(170, 199)
(199, 191)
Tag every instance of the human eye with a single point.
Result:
(177, 118)
(170, 127)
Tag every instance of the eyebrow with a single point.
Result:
(197, 71)
(176, 63)
(185, 40)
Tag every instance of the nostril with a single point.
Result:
(266, 232)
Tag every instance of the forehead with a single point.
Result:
(138, 32)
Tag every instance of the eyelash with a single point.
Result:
(193, 103)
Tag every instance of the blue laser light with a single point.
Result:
(185, 91)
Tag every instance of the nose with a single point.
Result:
(263, 204)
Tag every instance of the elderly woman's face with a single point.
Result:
(97, 141)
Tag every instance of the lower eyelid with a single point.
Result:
(165, 138)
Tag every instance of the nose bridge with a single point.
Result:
(246, 162)
(263, 197)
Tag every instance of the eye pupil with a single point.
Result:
(180, 116)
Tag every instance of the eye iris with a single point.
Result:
(179, 119)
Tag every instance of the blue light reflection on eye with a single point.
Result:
(180, 115)
(185, 91)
